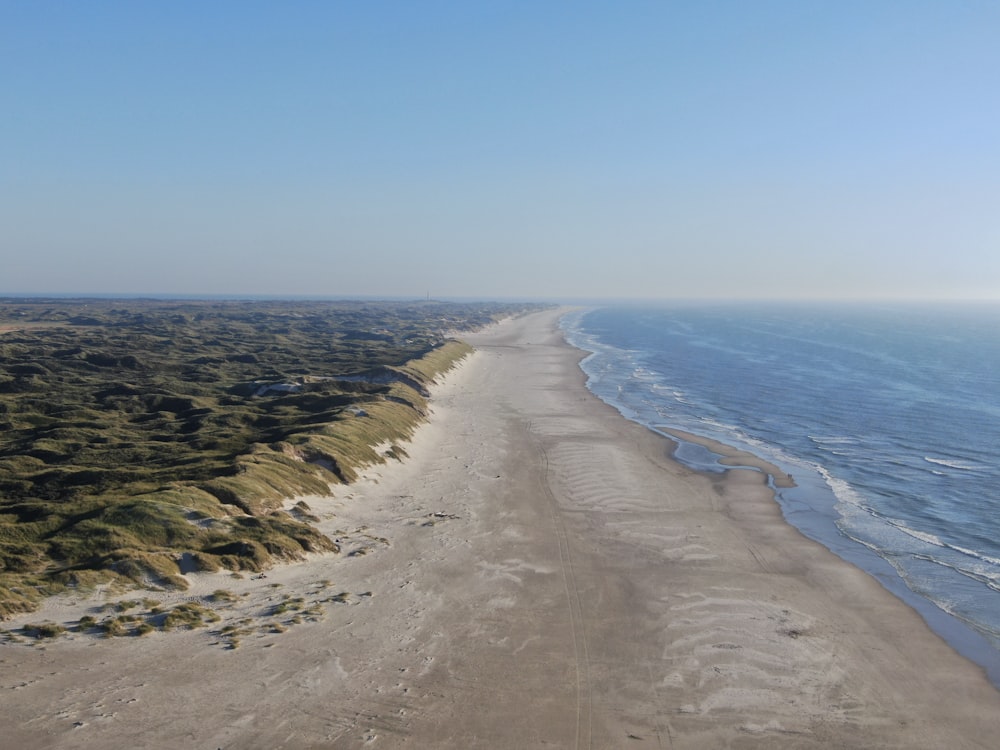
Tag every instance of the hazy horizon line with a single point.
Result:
(580, 300)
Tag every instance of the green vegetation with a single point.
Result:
(189, 615)
(114, 627)
(288, 603)
(221, 596)
(86, 623)
(135, 618)
(43, 630)
(140, 439)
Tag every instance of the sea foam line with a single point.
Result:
(952, 464)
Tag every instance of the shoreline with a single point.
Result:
(712, 456)
(962, 637)
(732, 457)
(539, 570)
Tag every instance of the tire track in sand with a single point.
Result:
(584, 692)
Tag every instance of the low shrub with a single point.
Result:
(43, 630)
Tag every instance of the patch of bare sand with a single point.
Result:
(538, 572)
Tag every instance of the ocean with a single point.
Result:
(887, 416)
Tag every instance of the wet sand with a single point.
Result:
(537, 573)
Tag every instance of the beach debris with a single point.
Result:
(439, 516)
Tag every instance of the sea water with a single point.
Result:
(888, 417)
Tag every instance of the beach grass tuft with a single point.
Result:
(43, 630)
(221, 596)
(189, 615)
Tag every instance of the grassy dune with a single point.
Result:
(139, 439)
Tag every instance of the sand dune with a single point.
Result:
(537, 573)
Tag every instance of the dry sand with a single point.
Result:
(538, 573)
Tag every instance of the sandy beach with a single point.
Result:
(537, 573)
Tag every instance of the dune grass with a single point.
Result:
(142, 439)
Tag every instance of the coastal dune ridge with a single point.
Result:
(536, 571)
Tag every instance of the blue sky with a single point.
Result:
(501, 149)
